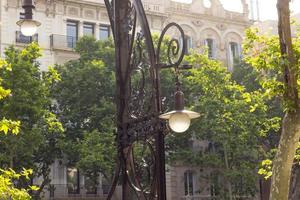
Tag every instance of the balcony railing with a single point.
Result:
(208, 197)
(62, 191)
(22, 39)
(63, 42)
(199, 197)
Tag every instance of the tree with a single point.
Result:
(97, 152)
(7, 188)
(85, 105)
(29, 102)
(277, 58)
(232, 121)
(250, 78)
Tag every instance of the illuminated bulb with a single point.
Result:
(28, 27)
(179, 122)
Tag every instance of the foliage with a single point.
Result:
(245, 75)
(276, 58)
(85, 105)
(7, 188)
(97, 153)
(232, 122)
(266, 168)
(263, 53)
(30, 103)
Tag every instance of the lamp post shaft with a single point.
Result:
(121, 8)
(122, 41)
(138, 111)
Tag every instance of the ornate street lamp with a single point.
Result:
(28, 25)
(179, 119)
(139, 113)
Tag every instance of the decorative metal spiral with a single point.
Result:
(173, 51)
(134, 175)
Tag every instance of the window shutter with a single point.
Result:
(229, 57)
(191, 43)
(240, 51)
(214, 48)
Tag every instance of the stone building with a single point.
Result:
(206, 23)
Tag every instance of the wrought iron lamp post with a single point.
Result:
(139, 115)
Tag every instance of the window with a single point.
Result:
(188, 183)
(234, 54)
(88, 29)
(104, 32)
(211, 47)
(72, 33)
(189, 44)
(20, 38)
(73, 181)
(234, 50)
(214, 184)
(90, 185)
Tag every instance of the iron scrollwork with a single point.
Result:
(142, 135)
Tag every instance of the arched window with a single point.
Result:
(189, 44)
(211, 47)
(234, 51)
(189, 183)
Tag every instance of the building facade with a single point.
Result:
(206, 23)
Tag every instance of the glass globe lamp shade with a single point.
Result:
(179, 122)
(28, 27)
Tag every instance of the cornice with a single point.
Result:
(210, 18)
(82, 3)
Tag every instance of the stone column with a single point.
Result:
(97, 31)
(80, 29)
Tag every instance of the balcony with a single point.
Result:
(22, 39)
(199, 197)
(63, 42)
(62, 192)
(208, 197)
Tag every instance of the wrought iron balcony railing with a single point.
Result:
(22, 39)
(63, 42)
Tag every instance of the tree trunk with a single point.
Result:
(295, 185)
(290, 134)
(285, 156)
(265, 188)
(228, 182)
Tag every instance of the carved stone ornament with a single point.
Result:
(198, 23)
(89, 14)
(73, 11)
(221, 27)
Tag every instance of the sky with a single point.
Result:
(267, 8)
